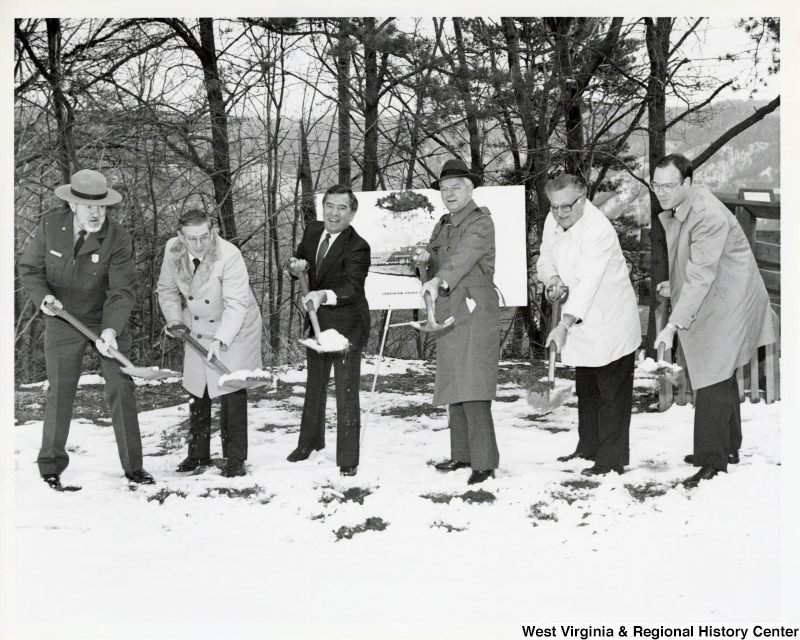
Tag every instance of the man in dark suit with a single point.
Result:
(337, 260)
(81, 261)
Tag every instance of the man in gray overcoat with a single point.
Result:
(720, 308)
(459, 267)
(204, 285)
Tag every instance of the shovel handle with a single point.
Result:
(187, 336)
(551, 364)
(86, 331)
(312, 313)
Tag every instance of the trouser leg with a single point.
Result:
(615, 383)
(233, 420)
(459, 433)
(312, 424)
(347, 378)
(713, 415)
(483, 451)
(588, 411)
(200, 426)
(63, 349)
(121, 393)
(735, 431)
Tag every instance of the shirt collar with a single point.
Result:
(457, 217)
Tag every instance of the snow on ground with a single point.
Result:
(183, 558)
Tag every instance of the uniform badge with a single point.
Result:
(95, 257)
(55, 253)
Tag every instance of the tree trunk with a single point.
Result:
(343, 86)
(308, 206)
(221, 177)
(61, 108)
(461, 72)
(371, 100)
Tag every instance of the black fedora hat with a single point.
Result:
(456, 168)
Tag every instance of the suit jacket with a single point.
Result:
(588, 259)
(462, 249)
(215, 302)
(97, 286)
(716, 290)
(343, 271)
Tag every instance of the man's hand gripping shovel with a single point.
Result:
(543, 395)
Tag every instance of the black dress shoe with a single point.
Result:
(706, 473)
(451, 465)
(53, 480)
(573, 455)
(600, 470)
(479, 476)
(140, 477)
(190, 464)
(301, 453)
(234, 469)
(733, 458)
(348, 471)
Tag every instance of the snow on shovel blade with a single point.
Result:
(330, 341)
(246, 379)
(150, 374)
(546, 396)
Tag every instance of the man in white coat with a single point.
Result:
(599, 329)
(720, 308)
(221, 312)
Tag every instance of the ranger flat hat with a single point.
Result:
(456, 168)
(88, 187)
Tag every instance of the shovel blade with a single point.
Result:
(316, 346)
(548, 399)
(431, 326)
(150, 374)
(246, 379)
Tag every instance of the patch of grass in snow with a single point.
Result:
(541, 511)
(353, 494)
(370, 524)
(553, 429)
(163, 494)
(172, 439)
(413, 410)
(655, 465)
(580, 484)
(449, 527)
(538, 417)
(408, 383)
(480, 496)
(648, 490)
(506, 398)
(235, 492)
(438, 498)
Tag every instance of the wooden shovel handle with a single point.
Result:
(86, 331)
(183, 331)
(312, 313)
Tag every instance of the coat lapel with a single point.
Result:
(94, 240)
(334, 253)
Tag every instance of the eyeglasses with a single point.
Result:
(666, 188)
(566, 208)
(200, 239)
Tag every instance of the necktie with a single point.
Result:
(196, 264)
(79, 241)
(323, 249)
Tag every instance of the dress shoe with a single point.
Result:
(53, 480)
(573, 455)
(451, 465)
(348, 471)
(706, 473)
(479, 476)
(301, 453)
(190, 464)
(234, 469)
(733, 458)
(600, 470)
(140, 477)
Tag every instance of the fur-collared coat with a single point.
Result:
(215, 302)
(716, 291)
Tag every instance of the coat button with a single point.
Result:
(211, 321)
(199, 336)
(197, 317)
(191, 298)
(207, 302)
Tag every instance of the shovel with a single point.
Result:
(430, 325)
(254, 380)
(543, 396)
(128, 367)
(315, 344)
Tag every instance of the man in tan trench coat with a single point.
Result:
(720, 308)
(220, 309)
(459, 265)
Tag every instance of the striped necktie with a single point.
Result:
(323, 249)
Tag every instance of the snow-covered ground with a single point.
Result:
(185, 559)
